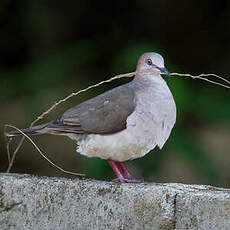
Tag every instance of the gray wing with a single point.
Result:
(104, 114)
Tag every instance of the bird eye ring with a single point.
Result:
(149, 61)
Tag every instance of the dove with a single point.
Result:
(122, 124)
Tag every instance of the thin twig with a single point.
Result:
(7, 140)
(201, 77)
(46, 158)
(14, 154)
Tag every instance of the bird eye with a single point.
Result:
(149, 62)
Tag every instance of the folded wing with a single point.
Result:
(104, 114)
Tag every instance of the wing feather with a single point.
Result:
(104, 114)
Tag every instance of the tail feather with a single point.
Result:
(35, 130)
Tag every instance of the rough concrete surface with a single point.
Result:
(29, 202)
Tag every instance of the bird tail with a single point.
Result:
(35, 130)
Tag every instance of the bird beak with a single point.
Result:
(164, 71)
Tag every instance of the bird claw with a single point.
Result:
(128, 180)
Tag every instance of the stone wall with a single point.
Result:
(29, 202)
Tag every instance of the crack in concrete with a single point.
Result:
(175, 210)
(6, 208)
(9, 207)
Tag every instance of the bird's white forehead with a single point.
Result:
(156, 58)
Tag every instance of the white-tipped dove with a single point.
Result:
(123, 123)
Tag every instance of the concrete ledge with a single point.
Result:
(29, 202)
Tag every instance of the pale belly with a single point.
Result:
(140, 136)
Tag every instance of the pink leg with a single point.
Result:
(127, 174)
(124, 170)
(120, 178)
(115, 169)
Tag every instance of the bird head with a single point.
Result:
(151, 63)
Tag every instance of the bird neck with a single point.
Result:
(151, 84)
(146, 81)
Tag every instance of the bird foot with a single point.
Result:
(128, 180)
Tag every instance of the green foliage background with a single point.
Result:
(52, 48)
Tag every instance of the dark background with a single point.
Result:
(49, 49)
